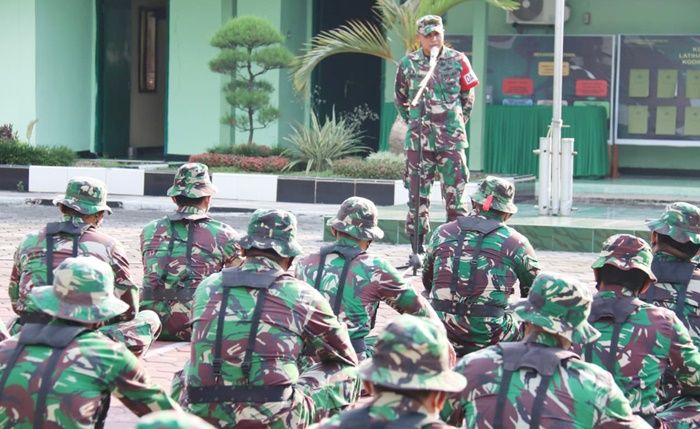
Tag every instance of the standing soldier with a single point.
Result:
(675, 240)
(640, 341)
(250, 325)
(181, 249)
(409, 376)
(474, 264)
(436, 137)
(82, 209)
(62, 373)
(539, 382)
(355, 282)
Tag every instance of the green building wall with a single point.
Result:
(18, 70)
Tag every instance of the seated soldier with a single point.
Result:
(181, 249)
(355, 282)
(409, 377)
(474, 264)
(640, 341)
(675, 240)
(250, 325)
(82, 209)
(60, 374)
(539, 382)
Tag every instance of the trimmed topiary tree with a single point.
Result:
(250, 47)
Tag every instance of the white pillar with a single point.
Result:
(567, 176)
(556, 104)
(544, 192)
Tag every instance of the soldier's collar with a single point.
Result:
(613, 290)
(189, 213)
(76, 220)
(255, 263)
(383, 400)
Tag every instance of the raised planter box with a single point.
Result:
(237, 186)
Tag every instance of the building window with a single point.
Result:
(148, 50)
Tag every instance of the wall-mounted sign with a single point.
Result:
(659, 90)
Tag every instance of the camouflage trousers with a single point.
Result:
(450, 167)
(470, 334)
(136, 334)
(322, 391)
(681, 413)
(175, 317)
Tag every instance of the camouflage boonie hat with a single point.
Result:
(429, 23)
(626, 252)
(85, 195)
(412, 353)
(82, 291)
(171, 420)
(680, 221)
(357, 217)
(192, 181)
(496, 193)
(273, 229)
(560, 306)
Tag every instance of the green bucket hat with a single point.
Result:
(273, 229)
(357, 217)
(82, 291)
(560, 306)
(429, 23)
(192, 181)
(626, 252)
(171, 420)
(412, 353)
(496, 193)
(680, 221)
(85, 195)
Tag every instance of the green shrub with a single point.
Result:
(382, 165)
(246, 150)
(24, 154)
(318, 145)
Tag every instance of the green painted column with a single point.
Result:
(194, 91)
(18, 70)
(479, 57)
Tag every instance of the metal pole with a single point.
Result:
(544, 192)
(556, 105)
(567, 174)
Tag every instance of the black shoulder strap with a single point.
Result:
(186, 274)
(619, 311)
(52, 230)
(348, 253)
(483, 227)
(544, 360)
(57, 337)
(232, 278)
(677, 273)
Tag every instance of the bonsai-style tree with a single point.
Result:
(250, 47)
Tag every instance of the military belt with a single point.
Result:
(221, 393)
(466, 309)
(178, 294)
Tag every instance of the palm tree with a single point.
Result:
(367, 38)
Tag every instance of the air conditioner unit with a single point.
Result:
(535, 12)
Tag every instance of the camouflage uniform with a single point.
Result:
(61, 374)
(72, 237)
(640, 341)
(363, 280)
(536, 383)
(678, 279)
(412, 354)
(171, 420)
(180, 250)
(436, 124)
(249, 327)
(470, 283)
